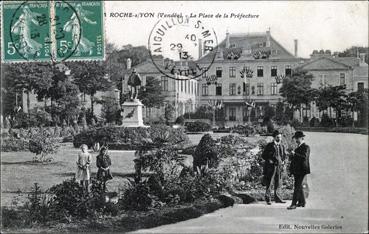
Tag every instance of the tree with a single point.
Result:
(90, 78)
(353, 52)
(151, 94)
(297, 89)
(358, 102)
(334, 97)
(110, 109)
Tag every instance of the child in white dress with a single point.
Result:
(83, 173)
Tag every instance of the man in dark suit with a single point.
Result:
(299, 168)
(274, 154)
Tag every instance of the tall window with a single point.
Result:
(288, 70)
(219, 72)
(260, 71)
(181, 85)
(274, 89)
(342, 79)
(232, 72)
(260, 89)
(203, 74)
(164, 83)
(322, 80)
(232, 89)
(252, 90)
(205, 90)
(218, 90)
(246, 89)
(360, 86)
(232, 114)
(273, 71)
(185, 85)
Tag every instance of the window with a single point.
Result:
(252, 90)
(204, 72)
(164, 83)
(181, 85)
(232, 89)
(342, 79)
(232, 46)
(273, 71)
(232, 72)
(260, 71)
(322, 80)
(244, 114)
(193, 87)
(274, 89)
(185, 85)
(218, 90)
(360, 86)
(219, 72)
(246, 89)
(205, 90)
(288, 70)
(232, 114)
(260, 89)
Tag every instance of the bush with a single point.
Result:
(129, 138)
(180, 120)
(198, 126)
(13, 144)
(136, 197)
(314, 122)
(205, 153)
(326, 121)
(43, 143)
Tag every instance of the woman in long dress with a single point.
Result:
(83, 173)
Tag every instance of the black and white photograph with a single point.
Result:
(184, 116)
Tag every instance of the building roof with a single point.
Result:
(326, 63)
(254, 42)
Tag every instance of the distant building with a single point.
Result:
(329, 70)
(255, 54)
(182, 94)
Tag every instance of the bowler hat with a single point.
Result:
(298, 134)
(276, 133)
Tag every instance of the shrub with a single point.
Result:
(43, 144)
(314, 122)
(136, 197)
(129, 138)
(198, 126)
(180, 120)
(326, 121)
(205, 153)
(13, 144)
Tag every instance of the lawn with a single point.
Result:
(19, 173)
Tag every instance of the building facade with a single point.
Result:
(248, 69)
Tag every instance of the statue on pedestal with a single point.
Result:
(134, 83)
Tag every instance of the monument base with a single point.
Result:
(132, 114)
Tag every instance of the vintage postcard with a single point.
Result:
(184, 116)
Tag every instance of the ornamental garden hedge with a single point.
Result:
(122, 138)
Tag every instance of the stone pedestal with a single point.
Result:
(132, 114)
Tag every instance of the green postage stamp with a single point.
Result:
(52, 30)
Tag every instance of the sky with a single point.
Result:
(328, 25)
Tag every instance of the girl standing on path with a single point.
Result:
(83, 173)
(103, 164)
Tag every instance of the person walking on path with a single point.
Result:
(299, 168)
(274, 154)
(83, 173)
(103, 164)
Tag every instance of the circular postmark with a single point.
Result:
(35, 29)
(177, 44)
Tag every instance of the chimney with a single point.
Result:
(296, 47)
(268, 38)
(219, 54)
(129, 63)
(200, 48)
(227, 40)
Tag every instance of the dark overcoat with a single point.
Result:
(300, 164)
(270, 155)
(103, 162)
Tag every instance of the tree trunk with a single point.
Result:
(28, 105)
(92, 104)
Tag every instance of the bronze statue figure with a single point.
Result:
(134, 82)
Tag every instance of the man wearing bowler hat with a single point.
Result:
(274, 154)
(299, 168)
